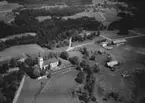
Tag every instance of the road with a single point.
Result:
(77, 46)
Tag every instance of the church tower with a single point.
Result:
(40, 62)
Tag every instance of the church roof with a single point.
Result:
(52, 60)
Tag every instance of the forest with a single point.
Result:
(49, 32)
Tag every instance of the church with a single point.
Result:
(51, 63)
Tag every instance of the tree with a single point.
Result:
(29, 61)
(80, 77)
(96, 68)
(84, 97)
(84, 63)
(13, 62)
(84, 51)
(4, 67)
(74, 60)
(3, 99)
(93, 57)
(36, 72)
(64, 55)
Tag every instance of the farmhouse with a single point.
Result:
(112, 63)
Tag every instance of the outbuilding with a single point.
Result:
(119, 41)
(112, 63)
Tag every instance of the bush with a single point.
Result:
(64, 55)
(74, 60)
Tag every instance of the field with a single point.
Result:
(140, 30)
(18, 51)
(57, 91)
(138, 42)
(108, 81)
(113, 34)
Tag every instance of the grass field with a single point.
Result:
(18, 51)
(114, 35)
(57, 91)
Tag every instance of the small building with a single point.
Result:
(101, 51)
(112, 63)
(119, 41)
(104, 44)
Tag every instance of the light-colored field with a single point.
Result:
(57, 91)
(18, 51)
(84, 14)
(42, 18)
(6, 7)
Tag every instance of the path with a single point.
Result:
(19, 90)
(77, 46)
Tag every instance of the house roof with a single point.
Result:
(52, 60)
(112, 63)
